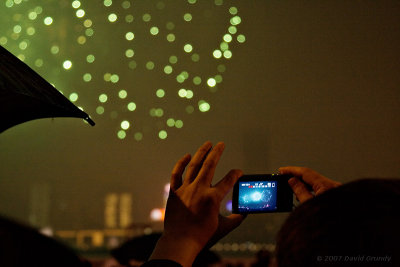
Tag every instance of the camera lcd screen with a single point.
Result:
(257, 196)
(260, 193)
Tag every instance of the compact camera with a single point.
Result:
(261, 193)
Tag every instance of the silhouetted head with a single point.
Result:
(138, 250)
(22, 245)
(357, 224)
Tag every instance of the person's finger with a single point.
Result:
(318, 182)
(296, 171)
(300, 189)
(226, 184)
(207, 170)
(308, 175)
(177, 171)
(196, 163)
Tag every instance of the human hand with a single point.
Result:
(306, 180)
(192, 215)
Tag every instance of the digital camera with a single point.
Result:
(261, 193)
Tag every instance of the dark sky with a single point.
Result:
(316, 83)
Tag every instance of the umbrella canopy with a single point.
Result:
(25, 95)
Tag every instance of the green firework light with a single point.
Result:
(143, 65)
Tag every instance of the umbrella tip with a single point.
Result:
(90, 121)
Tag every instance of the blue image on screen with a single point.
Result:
(257, 196)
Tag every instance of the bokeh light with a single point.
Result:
(157, 214)
(131, 106)
(67, 64)
(127, 62)
(76, 4)
(80, 13)
(48, 20)
(125, 124)
(112, 17)
(73, 97)
(204, 106)
(154, 30)
(162, 134)
(129, 36)
(211, 82)
(103, 98)
(121, 134)
(188, 48)
(160, 93)
(107, 3)
(122, 94)
(187, 17)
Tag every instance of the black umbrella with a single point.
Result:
(25, 95)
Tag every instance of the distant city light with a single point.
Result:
(157, 214)
(228, 205)
(47, 231)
